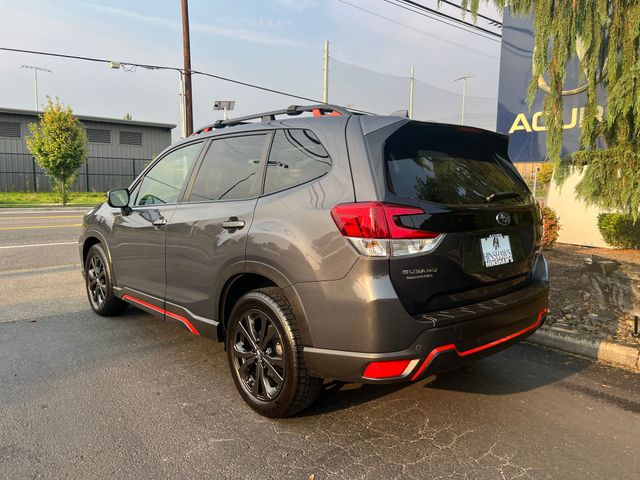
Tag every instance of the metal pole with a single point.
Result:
(535, 181)
(35, 83)
(411, 80)
(325, 79)
(224, 114)
(187, 67)
(183, 133)
(464, 94)
(35, 182)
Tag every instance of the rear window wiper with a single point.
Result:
(494, 197)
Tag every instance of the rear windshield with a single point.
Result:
(449, 165)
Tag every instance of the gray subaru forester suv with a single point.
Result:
(320, 243)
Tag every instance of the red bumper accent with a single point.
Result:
(471, 351)
(386, 369)
(180, 318)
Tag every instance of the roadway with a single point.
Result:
(136, 397)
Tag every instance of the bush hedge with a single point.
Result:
(552, 226)
(619, 230)
(545, 173)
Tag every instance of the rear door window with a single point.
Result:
(296, 157)
(449, 165)
(230, 169)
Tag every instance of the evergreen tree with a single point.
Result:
(608, 32)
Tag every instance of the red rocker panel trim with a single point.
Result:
(180, 318)
(471, 351)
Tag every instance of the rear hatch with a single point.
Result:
(472, 197)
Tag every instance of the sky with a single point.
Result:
(274, 43)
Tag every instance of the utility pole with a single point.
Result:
(412, 76)
(464, 92)
(325, 78)
(35, 80)
(188, 99)
(183, 126)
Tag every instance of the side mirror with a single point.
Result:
(119, 199)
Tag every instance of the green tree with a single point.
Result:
(59, 144)
(608, 33)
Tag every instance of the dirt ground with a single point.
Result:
(595, 290)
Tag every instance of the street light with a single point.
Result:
(225, 106)
(464, 91)
(35, 79)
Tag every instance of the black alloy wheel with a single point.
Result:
(266, 356)
(99, 281)
(259, 356)
(96, 282)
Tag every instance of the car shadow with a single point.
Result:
(521, 368)
(518, 369)
(338, 395)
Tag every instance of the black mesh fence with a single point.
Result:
(20, 172)
(382, 93)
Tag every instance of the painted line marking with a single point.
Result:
(38, 245)
(21, 211)
(42, 226)
(47, 216)
(40, 271)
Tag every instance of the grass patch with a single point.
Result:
(28, 199)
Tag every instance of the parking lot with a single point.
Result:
(136, 397)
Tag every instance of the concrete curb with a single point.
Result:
(617, 354)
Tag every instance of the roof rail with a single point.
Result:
(292, 110)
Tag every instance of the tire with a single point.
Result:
(265, 355)
(99, 283)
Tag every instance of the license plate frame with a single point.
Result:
(496, 250)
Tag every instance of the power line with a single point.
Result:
(162, 67)
(450, 17)
(417, 30)
(447, 19)
(88, 59)
(493, 21)
(251, 85)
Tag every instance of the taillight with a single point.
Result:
(360, 220)
(373, 229)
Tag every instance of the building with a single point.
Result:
(118, 151)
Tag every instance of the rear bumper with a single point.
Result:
(471, 332)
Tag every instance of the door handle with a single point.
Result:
(233, 224)
(159, 222)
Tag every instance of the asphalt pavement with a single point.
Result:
(137, 397)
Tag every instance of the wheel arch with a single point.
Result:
(257, 275)
(91, 238)
(86, 246)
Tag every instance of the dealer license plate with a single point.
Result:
(496, 250)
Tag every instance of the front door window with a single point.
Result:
(163, 183)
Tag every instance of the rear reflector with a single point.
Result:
(374, 230)
(389, 369)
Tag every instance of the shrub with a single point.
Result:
(552, 226)
(545, 173)
(619, 230)
(59, 144)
